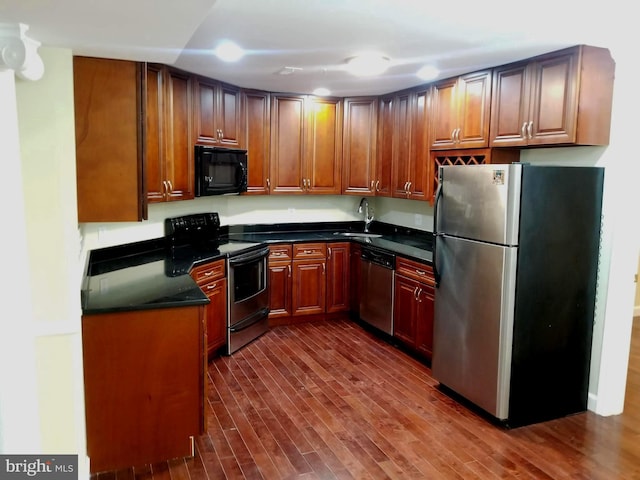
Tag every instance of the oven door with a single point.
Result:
(248, 297)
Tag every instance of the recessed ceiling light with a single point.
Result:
(428, 72)
(229, 51)
(368, 64)
(321, 92)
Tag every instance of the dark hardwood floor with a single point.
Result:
(329, 400)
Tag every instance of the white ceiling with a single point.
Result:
(314, 35)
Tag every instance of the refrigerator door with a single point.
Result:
(481, 202)
(473, 326)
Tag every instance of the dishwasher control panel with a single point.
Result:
(384, 259)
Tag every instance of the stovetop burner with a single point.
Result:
(196, 237)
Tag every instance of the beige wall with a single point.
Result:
(47, 149)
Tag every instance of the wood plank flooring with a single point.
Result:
(329, 400)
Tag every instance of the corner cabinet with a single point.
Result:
(562, 98)
(169, 148)
(218, 114)
(109, 154)
(306, 145)
(460, 112)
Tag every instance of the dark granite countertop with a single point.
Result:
(144, 275)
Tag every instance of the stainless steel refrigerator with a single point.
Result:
(516, 261)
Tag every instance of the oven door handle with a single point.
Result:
(249, 321)
(248, 257)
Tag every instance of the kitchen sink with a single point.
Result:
(358, 234)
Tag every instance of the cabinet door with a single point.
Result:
(216, 314)
(309, 287)
(338, 269)
(109, 158)
(279, 289)
(444, 113)
(229, 116)
(359, 146)
(404, 310)
(155, 175)
(474, 102)
(510, 106)
(401, 145)
(323, 153)
(287, 144)
(256, 114)
(424, 320)
(384, 160)
(419, 156)
(553, 107)
(205, 114)
(179, 148)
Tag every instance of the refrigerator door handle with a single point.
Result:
(436, 234)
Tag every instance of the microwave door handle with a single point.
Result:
(243, 172)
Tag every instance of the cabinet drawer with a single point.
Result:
(279, 252)
(415, 270)
(209, 272)
(309, 250)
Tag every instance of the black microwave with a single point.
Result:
(220, 171)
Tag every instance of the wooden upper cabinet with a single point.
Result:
(384, 154)
(410, 158)
(287, 144)
(323, 152)
(400, 162)
(109, 154)
(256, 115)
(218, 114)
(359, 146)
(460, 111)
(306, 144)
(560, 98)
(169, 148)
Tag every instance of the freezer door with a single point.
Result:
(473, 326)
(481, 202)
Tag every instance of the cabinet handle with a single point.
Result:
(453, 135)
(308, 184)
(170, 186)
(458, 135)
(268, 184)
(523, 130)
(419, 294)
(421, 272)
(211, 287)
(408, 189)
(377, 185)
(530, 129)
(329, 251)
(307, 252)
(405, 186)
(415, 293)
(373, 185)
(209, 273)
(323, 268)
(289, 268)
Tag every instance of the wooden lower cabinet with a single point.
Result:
(414, 306)
(211, 280)
(308, 279)
(143, 374)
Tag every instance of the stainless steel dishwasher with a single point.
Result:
(376, 288)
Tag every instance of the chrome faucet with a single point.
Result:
(368, 216)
